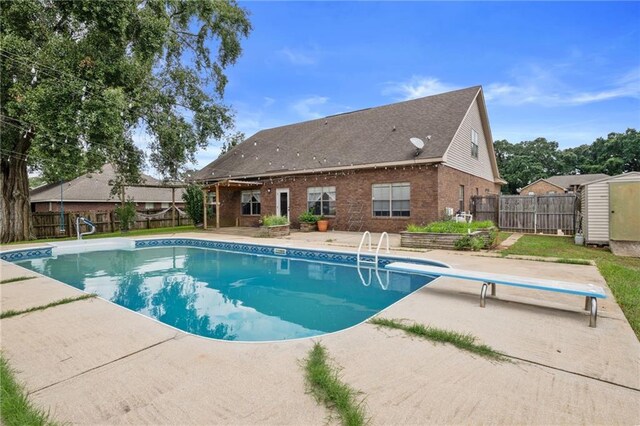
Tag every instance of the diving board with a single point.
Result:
(591, 292)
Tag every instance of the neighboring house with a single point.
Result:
(564, 184)
(610, 215)
(92, 192)
(359, 169)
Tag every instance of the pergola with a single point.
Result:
(224, 184)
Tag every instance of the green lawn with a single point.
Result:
(135, 233)
(621, 273)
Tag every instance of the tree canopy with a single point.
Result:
(525, 162)
(81, 78)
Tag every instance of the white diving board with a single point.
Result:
(590, 291)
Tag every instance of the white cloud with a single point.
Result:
(299, 56)
(417, 87)
(305, 107)
(547, 91)
(268, 102)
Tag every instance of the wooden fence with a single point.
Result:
(47, 224)
(528, 213)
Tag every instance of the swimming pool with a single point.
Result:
(229, 291)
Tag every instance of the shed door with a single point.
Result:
(624, 211)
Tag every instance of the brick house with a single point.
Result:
(359, 169)
(92, 192)
(562, 184)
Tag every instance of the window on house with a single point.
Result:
(165, 205)
(149, 206)
(322, 200)
(461, 197)
(250, 201)
(474, 143)
(391, 199)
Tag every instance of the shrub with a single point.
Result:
(192, 198)
(274, 220)
(126, 214)
(468, 242)
(450, 227)
(308, 217)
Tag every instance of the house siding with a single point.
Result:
(351, 188)
(595, 208)
(432, 189)
(459, 156)
(541, 188)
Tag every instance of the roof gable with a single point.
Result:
(370, 136)
(541, 180)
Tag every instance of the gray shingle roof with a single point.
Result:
(356, 138)
(94, 187)
(566, 181)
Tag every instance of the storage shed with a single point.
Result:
(611, 212)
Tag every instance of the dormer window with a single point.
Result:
(474, 143)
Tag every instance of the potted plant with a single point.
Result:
(322, 223)
(307, 221)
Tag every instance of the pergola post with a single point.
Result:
(217, 206)
(205, 192)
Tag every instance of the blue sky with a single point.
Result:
(569, 72)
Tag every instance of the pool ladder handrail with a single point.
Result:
(366, 236)
(86, 222)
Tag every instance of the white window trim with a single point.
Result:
(322, 190)
(474, 144)
(251, 191)
(390, 186)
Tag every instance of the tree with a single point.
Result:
(193, 199)
(527, 161)
(231, 141)
(78, 78)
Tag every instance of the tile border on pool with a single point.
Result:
(349, 258)
(294, 253)
(25, 254)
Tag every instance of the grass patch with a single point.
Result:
(450, 227)
(465, 342)
(324, 383)
(15, 408)
(621, 273)
(12, 313)
(132, 233)
(13, 280)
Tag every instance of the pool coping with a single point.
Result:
(303, 254)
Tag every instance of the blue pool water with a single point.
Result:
(232, 296)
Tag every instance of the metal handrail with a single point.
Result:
(366, 234)
(384, 234)
(86, 222)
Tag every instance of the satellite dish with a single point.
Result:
(417, 142)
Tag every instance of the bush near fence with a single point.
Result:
(47, 224)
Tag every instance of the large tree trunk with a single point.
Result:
(15, 211)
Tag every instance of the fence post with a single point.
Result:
(535, 214)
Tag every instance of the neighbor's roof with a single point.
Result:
(567, 181)
(370, 136)
(622, 175)
(94, 187)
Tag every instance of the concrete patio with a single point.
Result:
(93, 362)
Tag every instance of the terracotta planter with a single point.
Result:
(323, 225)
(307, 227)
